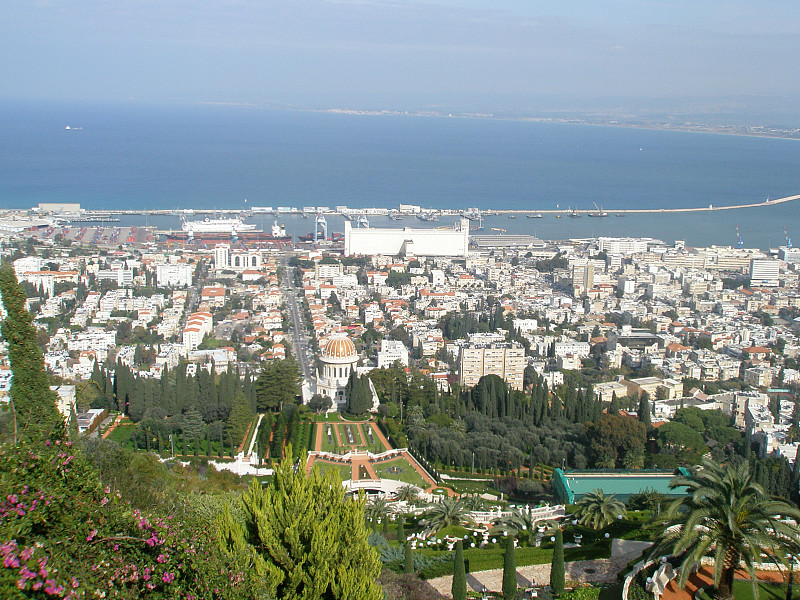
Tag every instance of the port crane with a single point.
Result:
(320, 220)
(788, 239)
(739, 243)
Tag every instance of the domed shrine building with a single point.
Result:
(339, 358)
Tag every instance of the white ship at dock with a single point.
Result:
(228, 226)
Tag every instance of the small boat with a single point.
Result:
(573, 212)
(512, 216)
(599, 213)
(535, 216)
(619, 215)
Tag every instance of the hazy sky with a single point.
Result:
(354, 51)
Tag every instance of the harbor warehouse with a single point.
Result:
(408, 241)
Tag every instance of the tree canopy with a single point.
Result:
(727, 516)
(305, 537)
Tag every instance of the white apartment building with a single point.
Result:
(27, 264)
(93, 339)
(572, 347)
(764, 272)
(174, 275)
(197, 327)
(612, 245)
(502, 359)
(123, 277)
(390, 352)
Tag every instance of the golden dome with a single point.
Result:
(339, 349)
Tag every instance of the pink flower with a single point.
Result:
(91, 535)
(104, 501)
(26, 554)
(11, 561)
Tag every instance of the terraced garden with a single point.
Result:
(399, 469)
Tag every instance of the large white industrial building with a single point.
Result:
(407, 241)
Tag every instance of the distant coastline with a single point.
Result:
(684, 127)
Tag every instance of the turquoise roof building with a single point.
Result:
(571, 486)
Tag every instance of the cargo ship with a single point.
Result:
(309, 237)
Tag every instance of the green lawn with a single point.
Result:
(468, 486)
(743, 590)
(122, 434)
(377, 446)
(483, 559)
(328, 446)
(406, 473)
(355, 428)
(345, 471)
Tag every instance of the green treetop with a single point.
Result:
(306, 537)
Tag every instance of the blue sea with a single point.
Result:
(154, 157)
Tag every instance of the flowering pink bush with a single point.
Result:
(63, 534)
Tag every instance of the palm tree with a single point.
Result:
(727, 516)
(378, 508)
(446, 512)
(633, 459)
(596, 510)
(407, 493)
(521, 523)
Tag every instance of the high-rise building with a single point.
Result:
(764, 272)
(506, 360)
(582, 278)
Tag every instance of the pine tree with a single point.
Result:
(509, 571)
(36, 415)
(459, 588)
(305, 537)
(557, 572)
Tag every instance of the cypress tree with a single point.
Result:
(401, 530)
(557, 572)
(509, 571)
(36, 415)
(459, 588)
(644, 410)
(408, 566)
